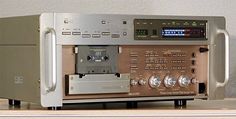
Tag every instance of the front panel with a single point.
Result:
(137, 57)
(133, 56)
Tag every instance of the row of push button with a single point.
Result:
(69, 33)
(94, 35)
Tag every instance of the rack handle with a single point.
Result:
(53, 85)
(226, 34)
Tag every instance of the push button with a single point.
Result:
(105, 33)
(96, 35)
(76, 33)
(66, 33)
(115, 35)
(124, 33)
(86, 35)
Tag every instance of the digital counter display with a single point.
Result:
(183, 32)
(141, 32)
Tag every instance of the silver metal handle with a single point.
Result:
(226, 34)
(53, 50)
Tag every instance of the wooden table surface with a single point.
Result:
(195, 109)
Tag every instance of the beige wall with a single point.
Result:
(225, 8)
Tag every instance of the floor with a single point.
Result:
(195, 109)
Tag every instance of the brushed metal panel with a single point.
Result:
(91, 24)
(98, 84)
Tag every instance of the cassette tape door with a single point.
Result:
(50, 63)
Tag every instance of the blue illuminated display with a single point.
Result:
(183, 32)
(173, 32)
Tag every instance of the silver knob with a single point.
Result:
(169, 81)
(184, 81)
(133, 82)
(141, 82)
(154, 81)
(194, 81)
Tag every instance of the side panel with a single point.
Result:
(19, 58)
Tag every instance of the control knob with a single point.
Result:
(142, 82)
(154, 81)
(169, 81)
(184, 81)
(133, 82)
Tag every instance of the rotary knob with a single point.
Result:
(133, 82)
(154, 81)
(184, 81)
(142, 82)
(169, 81)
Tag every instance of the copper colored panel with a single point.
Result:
(142, 62)
(146, 61)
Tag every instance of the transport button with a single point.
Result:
(66, 33)
(76, 33)
(86, 35)
(96, 35)
(105, 33)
